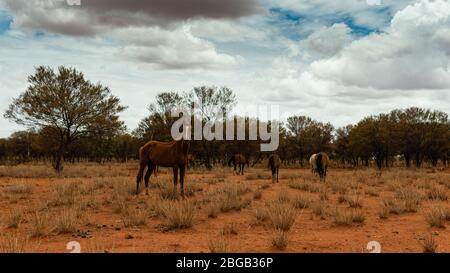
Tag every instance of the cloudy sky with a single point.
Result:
(335, 61)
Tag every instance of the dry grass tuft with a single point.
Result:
(354, 201)
(280, 239)
(257, 195)
(219, 245)
(430, 244)
(19, 189)
(135, 217)
(283, 196)
(437, 216)
(213, 210)
(344, 218)
(40, 223)
(320, 208)
(305, 185)
(14, 218)
(261, 214)
(437, 193)
(177, 214)
(65, 194)
(230, 229)
(13, 244)
(66, 221)
(282, 215)
(338, 187)
(302, 202)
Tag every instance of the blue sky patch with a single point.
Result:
(357, 30)
(5, 22)
(290, 22)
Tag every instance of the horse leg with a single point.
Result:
(175, 178)
(278, 169)
(150, 170)
(139, 176)
(182, 174)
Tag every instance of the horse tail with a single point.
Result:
(271, 162)
(231, 160)
(319, 162)
(143, 155)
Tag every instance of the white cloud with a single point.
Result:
(227, 31)
(174, 49)
(412, 54)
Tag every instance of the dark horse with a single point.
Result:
(319, 163)
(274, 165)
(239, 160)
(164, 154)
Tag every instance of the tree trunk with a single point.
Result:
(57, 162)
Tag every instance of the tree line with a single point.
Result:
(70, 119)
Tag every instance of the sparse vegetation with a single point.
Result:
(14, 218)
(213, 210)
(437, 216)
(13, 243)
(430, 244)
(21, 189)
(66, 221)
(134, 217)
(304, 185)
(219, 244)
(280, 239)
(320, 208)
(302, 202)
(261, 214)
(345, 218)
(354, 201)
(282, 215)
(72, 207)
(230, 229)
(283, 196)
(177, 214)
(437, 192)
(257, 195)
(40, 224)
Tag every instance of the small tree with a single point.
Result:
(66, 104)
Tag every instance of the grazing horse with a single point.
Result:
(312, 162)
(164, 154)
(274, 165)
(319, 164)
(239, 160)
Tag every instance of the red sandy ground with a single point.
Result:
(398, 233)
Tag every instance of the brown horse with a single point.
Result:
(239, 160)
(164, 154)
(274, 165)
(320, 163)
